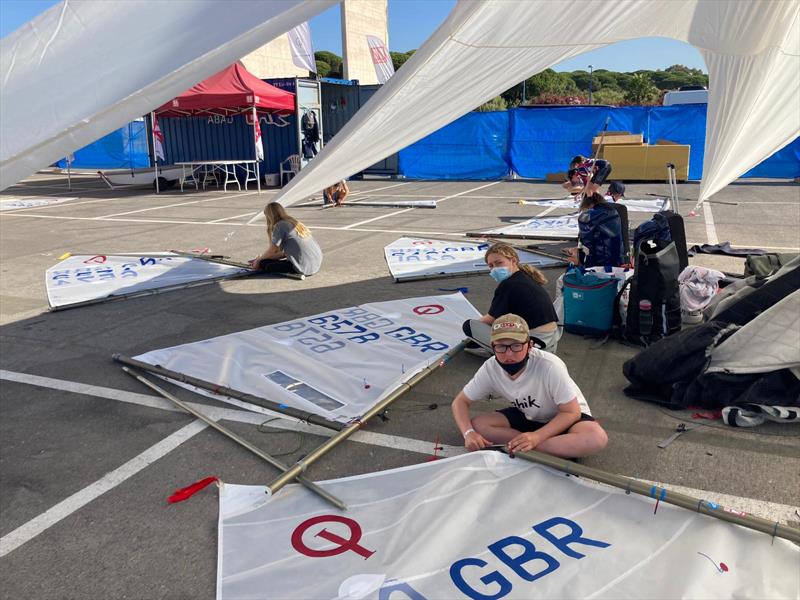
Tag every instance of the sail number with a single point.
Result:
(327, 332)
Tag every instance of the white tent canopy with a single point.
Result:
(752, 50)
(83, 69)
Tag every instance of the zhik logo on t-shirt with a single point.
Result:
(526, 403)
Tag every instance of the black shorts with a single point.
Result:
(517, 420)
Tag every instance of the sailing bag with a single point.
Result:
(654, 304)
(666, 226)
(588, 302)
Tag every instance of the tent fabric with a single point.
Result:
(125, 148)
(473, 147)
(769, 342)
(752, 51)
(231, 91)
(83, 69)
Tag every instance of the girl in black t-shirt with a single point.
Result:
(520, 291)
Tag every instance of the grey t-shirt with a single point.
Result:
(304, 253)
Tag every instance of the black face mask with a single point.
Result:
(513, 368)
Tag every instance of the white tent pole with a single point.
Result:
(155, 154)
(255, 148)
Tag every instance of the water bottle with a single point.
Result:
(645, 318)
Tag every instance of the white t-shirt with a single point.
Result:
(543, 384)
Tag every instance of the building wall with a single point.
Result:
(273, 59)
(359, 19)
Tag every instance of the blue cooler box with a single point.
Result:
(589, 303)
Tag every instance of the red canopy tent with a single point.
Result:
(234, 90)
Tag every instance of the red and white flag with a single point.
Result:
(257, 133)
(302, 48)
(158, 140)
(384, 68)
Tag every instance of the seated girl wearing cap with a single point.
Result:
(548, 412)
(520, 291)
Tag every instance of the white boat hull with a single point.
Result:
(140, 176)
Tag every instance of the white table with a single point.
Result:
(192, 170)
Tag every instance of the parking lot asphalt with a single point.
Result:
(88, 455)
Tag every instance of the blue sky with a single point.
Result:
(412, 21)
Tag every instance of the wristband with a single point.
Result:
(468, 431)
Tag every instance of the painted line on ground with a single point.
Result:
(386, 216)
(247, 214)
(386, 187)
(321, 227)
(24, 533)
(711, 230)
(399, 212)
(768, 510)
(548, 210)
(200, 201)
(221, 413)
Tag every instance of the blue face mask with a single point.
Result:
(500, 273)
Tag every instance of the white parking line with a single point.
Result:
(321, 227)
(768, 510)
(200, 201)
(13, 540)
(391, 214)
(711, 230)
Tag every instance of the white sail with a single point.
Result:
(84, 278)
(650, 205)
(564, 227)
(336, 364)
(421, 258)
(482, 525)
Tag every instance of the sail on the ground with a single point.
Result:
(15, 203)
(336, 364)
(558, 228)
(422, 258)
(84, 278)
(482, 525)
(650, 205)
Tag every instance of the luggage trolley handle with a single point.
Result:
(672, 181)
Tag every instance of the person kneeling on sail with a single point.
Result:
(548, 412)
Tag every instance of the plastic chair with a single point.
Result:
(294, 166)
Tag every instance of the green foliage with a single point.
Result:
(323, 68)
(399, 58)
(497, 103)
(641, 90)
(612, 97)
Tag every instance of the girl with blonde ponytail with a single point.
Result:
(291, 247)
(519, 291)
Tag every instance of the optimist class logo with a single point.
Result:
(429, 309)
(342, 544)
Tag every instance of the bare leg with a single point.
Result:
(494, 427)
(582, 439)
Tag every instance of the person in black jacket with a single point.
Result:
(600, 240)
(520, 291)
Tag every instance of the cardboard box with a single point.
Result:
(618, 139)
(556, 177)
(647, 163)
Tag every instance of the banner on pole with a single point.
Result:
(482, 525)
(381, 58)
(336, 364)
(560, 228)
(158, 140)
(419, 258)
(302, 48)
(84, 278)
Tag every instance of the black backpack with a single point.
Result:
(655, 279)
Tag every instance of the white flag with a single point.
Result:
(384, 68)
(158, 140)
(302, 48)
